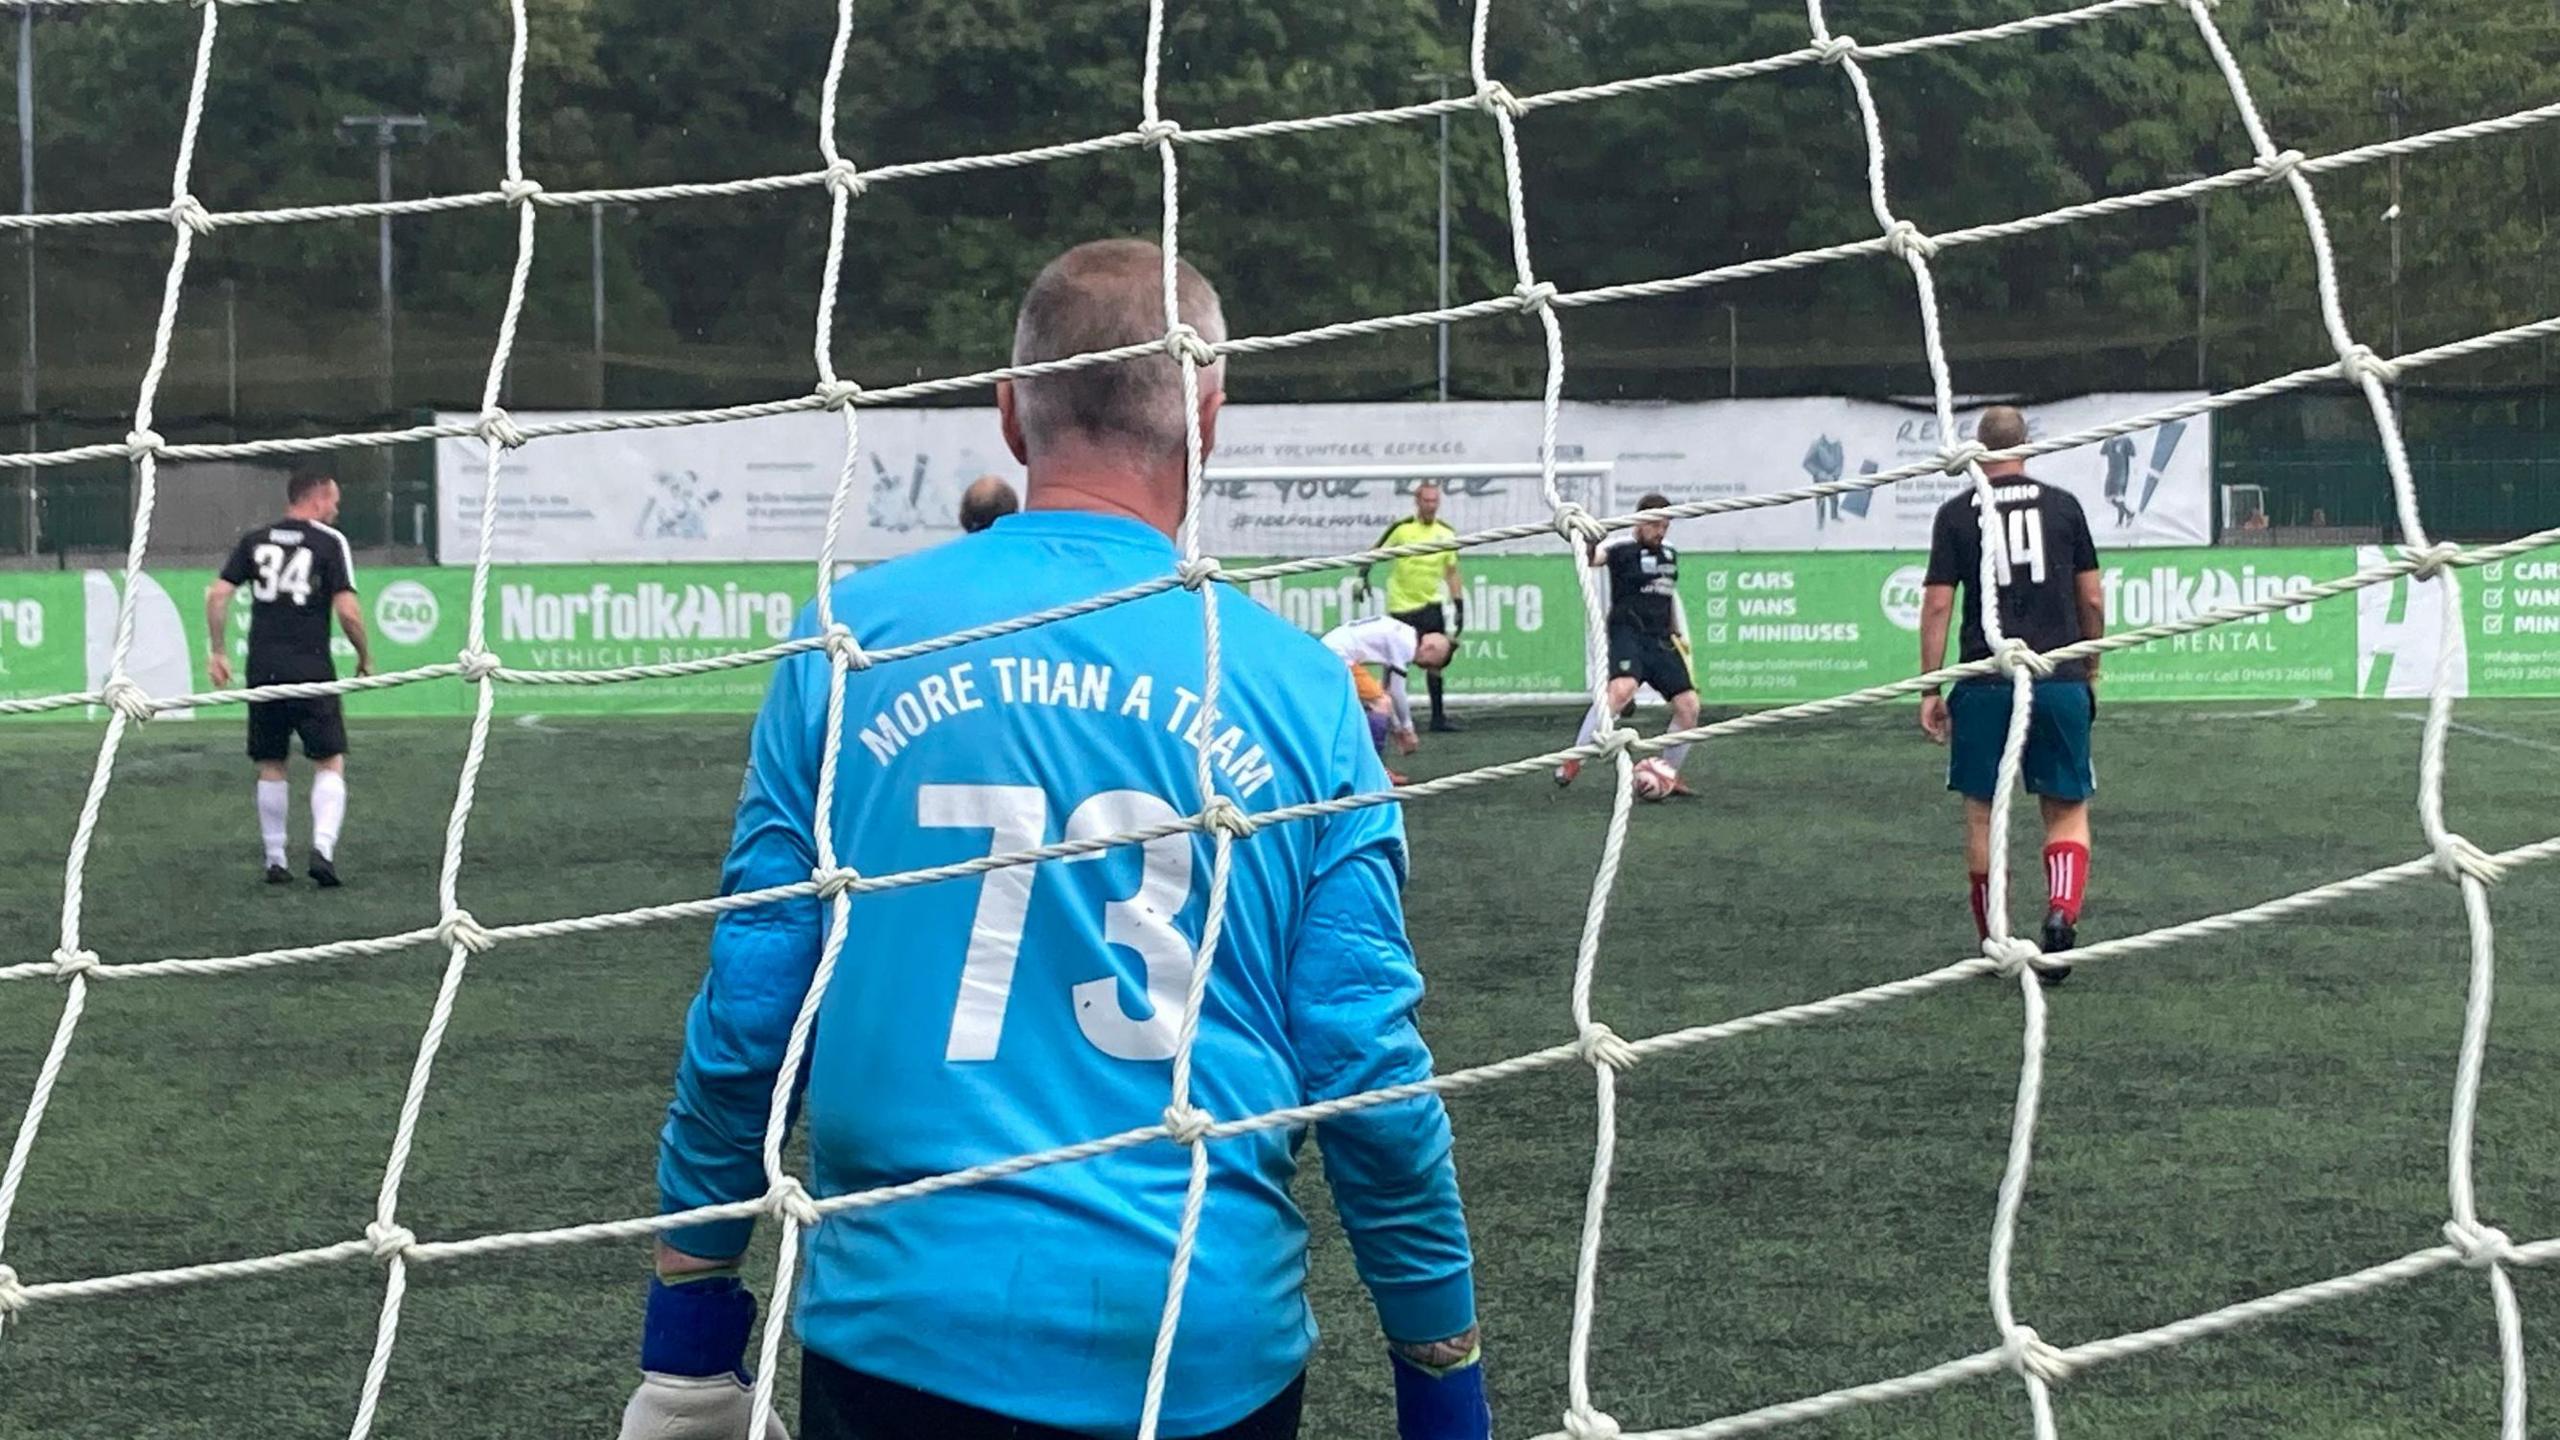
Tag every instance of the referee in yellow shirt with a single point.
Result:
(1416, 583)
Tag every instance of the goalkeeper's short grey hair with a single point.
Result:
(1099, 296)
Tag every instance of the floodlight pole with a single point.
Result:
(595, 287)
(2204, 266)
(27, 206)
(1441, 329)
(595, 279)
(387, 132)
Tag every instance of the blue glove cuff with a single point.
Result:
(697, 1328)
(1449, 1406)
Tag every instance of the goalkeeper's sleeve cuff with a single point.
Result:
(697, 1327)
(1421, 1311)
(1447, 1404)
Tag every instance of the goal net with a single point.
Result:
(1585, 1037)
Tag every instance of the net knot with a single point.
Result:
(1187, 1124)
(1497, 99)
(1591, 1425)
(839, 393)
(189, 212)
(1575, 523)
(2029, 1355)
(832, 883)
(2431, 560)
(1184, 343)
(845, 647)
(477, 664)
(2458, 859)
(1613, 742)
(1197, 572)
(498, 428)
(1599, 1045)
(460, 929)
(2279, 164)
(1962, 456)
(789, 1200)
(1160, 132)
(127, 699)
(388, 1241)
(1906, 240)
(846, 178)
(2012, 953)
(1534, 297)
(2359, 364)
(2480, 1246)
(141, 443)
(520, 191)
(1836, 49)
(2016, 655)
(1225, 817)
(68, 962)
(13, 1296)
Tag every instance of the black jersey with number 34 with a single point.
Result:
(2044, 550)
(293, 571)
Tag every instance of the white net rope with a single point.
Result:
(2467, 1240)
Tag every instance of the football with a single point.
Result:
(1654, 778)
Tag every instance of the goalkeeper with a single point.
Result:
(1024, 1008)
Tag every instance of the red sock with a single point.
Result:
(2066, 877)
(1981, 905)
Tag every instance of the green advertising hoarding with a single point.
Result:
(1780, 627)
(550, 617)
(1767, 628)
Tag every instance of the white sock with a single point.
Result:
(273, 797)
(328, 811)
(1675, 757)
(1590, 726)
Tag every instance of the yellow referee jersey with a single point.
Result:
(1417, 580)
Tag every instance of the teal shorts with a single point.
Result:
(2057, 763)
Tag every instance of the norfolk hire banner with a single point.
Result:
(1766, 628)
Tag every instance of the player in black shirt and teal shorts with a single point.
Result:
(2049, 597)
(299, 573)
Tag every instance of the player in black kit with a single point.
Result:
(1647, 643)
(299, 572)
(2046, 571)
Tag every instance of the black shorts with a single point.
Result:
(841, 1404)
(1649, 659)
(1427, 620)
(321, 722)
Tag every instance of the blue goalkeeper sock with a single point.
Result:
(1437, 1404)
(698, 1326)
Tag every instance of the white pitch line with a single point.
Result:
(534, 722)
(2298, 707)
(2487, 734)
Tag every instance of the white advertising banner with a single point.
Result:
(759, 489)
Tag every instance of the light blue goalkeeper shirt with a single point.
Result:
(1022, 1009)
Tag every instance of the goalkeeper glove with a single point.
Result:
(1441, 1402)
(1457, 617)
(693, 1356)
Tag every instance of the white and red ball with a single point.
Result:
(1655, 778)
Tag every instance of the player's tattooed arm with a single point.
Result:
(2093, 613)
(217, 616)
(1937, 608)
(351, 620)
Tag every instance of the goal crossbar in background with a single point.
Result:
(1589, 1041)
